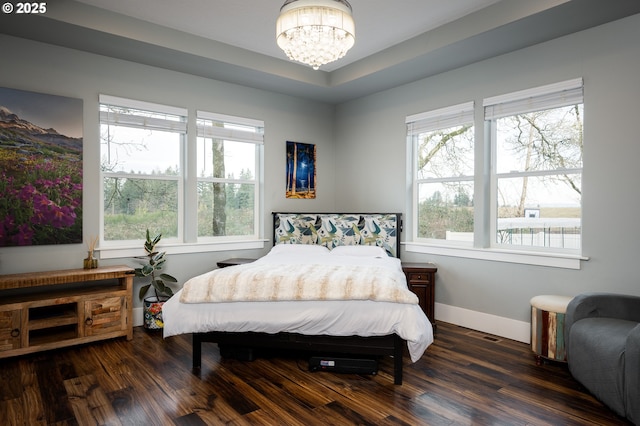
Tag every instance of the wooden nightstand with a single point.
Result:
(421, 279)
(234, 261)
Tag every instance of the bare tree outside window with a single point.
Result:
(445, 168)
(539, 168)
(519, 188)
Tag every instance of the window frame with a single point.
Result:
(485, 188)
(548, 97)
(417, 124)
(257, 138)
(187, 240)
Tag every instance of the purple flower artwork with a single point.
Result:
(40, 169)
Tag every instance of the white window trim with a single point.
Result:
(229, 119)
(256, 138)
(141, 105)
(554, 95)
(440, 118)
(549, 96)
(567, 260)
(181, 244)
(179, 127)
(132, 249)
(556, 260)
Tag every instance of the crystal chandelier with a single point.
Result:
(315, 32)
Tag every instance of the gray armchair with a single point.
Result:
(602, 339)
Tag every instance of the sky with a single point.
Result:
(47, 111)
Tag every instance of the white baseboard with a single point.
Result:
(138, 317)
(486, 323)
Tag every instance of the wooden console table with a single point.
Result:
(49, 310)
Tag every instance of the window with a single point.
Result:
(525, 205)
(141, 146)
(537, 139)
(228, 153)
(200, 188)
(443, 173)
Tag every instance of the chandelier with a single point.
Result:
(315, 32)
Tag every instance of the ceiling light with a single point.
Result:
(315, 32)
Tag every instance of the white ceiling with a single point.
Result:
(397, 41)
(250, 24)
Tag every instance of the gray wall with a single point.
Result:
(371, 133)
(362, 142)
(43, 68)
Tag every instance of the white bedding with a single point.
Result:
(338, 318)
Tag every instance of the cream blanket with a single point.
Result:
(257, 282)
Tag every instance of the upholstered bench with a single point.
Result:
(547, 327)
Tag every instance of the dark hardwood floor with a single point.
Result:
(465, 378)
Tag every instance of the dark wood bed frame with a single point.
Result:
(389, 345)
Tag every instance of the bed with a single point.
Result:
(332, 283)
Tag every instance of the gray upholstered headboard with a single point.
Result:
(339, 229)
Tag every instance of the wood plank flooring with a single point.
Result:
(465, 378)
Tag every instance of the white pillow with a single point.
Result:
(307, 249)
(359, 250)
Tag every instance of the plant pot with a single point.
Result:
(152, 308)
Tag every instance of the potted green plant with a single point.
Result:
(152, 306)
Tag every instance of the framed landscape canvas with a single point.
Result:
(301, 170)
(40, 169)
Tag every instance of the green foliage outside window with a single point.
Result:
(130, 205)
